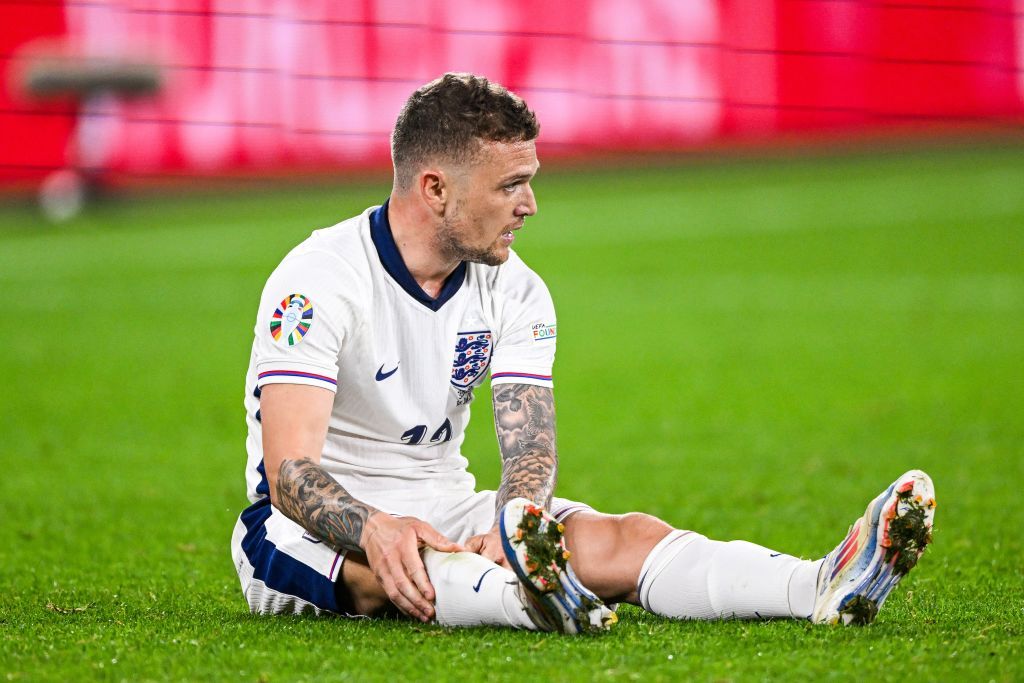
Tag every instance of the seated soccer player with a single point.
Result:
(371, 338)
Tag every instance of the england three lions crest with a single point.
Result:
(472, 356)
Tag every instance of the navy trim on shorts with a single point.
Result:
(262, 488)
(279, 571)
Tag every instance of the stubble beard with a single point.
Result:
(451, 246)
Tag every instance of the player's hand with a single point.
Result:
(392, 546)
(488, 544)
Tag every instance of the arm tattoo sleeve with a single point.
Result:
(524, 418)
(312, 498)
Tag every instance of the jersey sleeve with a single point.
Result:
(524, 351)
(302, 322)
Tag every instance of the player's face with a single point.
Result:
(492, 198)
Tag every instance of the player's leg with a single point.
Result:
(624, 541)
(471, 590)
(639, 559)
(360, 590)
(878, 551)
(284, 570)
(682, 574)
(610, 554)
(534, 546)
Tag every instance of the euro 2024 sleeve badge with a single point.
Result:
(292, 319)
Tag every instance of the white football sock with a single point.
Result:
(471, 590)
(688, 576)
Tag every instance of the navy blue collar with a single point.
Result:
(391, 259)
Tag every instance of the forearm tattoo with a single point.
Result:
(311, 497)
(524, 417)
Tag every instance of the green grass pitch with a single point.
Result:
(750, 349)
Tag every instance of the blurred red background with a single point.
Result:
(306, 85)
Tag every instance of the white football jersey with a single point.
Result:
(343, 312)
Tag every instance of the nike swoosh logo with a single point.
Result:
(774, 554)
(476, 588)
(381, 375)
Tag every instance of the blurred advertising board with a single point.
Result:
(248, 86)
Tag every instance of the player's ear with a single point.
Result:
(433, 189)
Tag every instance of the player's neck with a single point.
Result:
(414, 237)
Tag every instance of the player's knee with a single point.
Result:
(639, 528)
(608, 551)
(618, 536)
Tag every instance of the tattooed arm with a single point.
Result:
(310, 496)
(524, 417)
(294, 421)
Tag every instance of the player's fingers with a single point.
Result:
(495, 554)
(416, 571)
(475, 545)
(430, 536)
(396, 597)
(403, 569)
(418, 575)
(419, 608)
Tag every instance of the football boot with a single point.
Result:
(554, 598)
(880, 548)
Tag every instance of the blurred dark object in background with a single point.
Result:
(57, 73)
